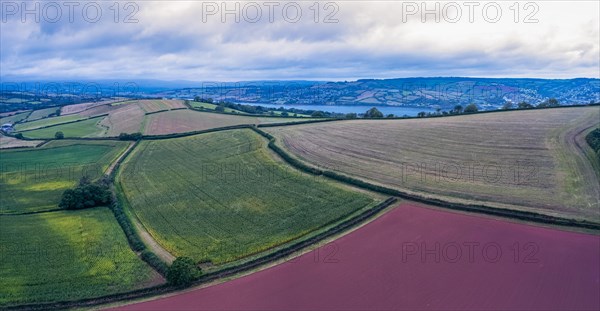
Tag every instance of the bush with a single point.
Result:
(19, 136)
(59, 135)
(471, 108)
(373, 113)
(182, 272)
(86, 195)
(133, 136)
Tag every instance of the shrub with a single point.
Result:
(182, 272)
(59, 135)
(86, 194)
(19, 136)
(471, 108)
(133, 136)
(373, 113)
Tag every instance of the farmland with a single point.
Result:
(126, 119)
(47, 122)
(380, 267)
(520, 159)
(66, 255)
(209, 106)
(85, 128)
(42, 113)
(14, 118)
(11, 142)
(187, 120)
(33, 179)
(221, 196)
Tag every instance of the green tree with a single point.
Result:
(524, 105)
(351, 115)
(457, 109)
(317, 114)
(391, 115)
(508, 106)
(182, 272)
(59, 135)
(86, 194)
(471, 108)
(373, 113)
(19, 136)
(220, 108)
(421, 114)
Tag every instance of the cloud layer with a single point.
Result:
(187, 40)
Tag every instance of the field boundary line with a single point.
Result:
(480, 209)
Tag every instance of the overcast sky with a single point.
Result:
(189, 40)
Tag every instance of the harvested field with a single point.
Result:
(221, 196)
(518, 159)
(180, 121)
(34, 179)
(66, 255)
(77, 108)
(383, 266)
(155, 105)
(85, 128)
(98, 110)
(7, 142)
(11, 113)
(125, 119)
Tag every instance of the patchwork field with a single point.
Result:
(42, 113)
(384, 266)
(209, 106)
(188, 120)
(221, 196)
(34, 179)
(11, 142)
(47, 122)
(66, 255)
(14, 118)
(127, 118)
(85, 128)
(78, 108)
(518, 159)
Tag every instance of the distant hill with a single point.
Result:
(445, 92)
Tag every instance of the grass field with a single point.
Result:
(34, 179)
(46, 122)
(42, 113)
(66, 255)
(519, 159)
(221, 196)
(179, 121)
(14, 118)
(85, 128)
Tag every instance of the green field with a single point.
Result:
(85, 128)
(221, 196)
(46, 122)
(34, 179)
(42, 113)
(66, 255)
(14, 118)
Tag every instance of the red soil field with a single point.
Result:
(391, 264)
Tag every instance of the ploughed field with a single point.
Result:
(532, 160)
(66, 255)
(33, 179)
(221, 196)
(417, 258)
(109, 119)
